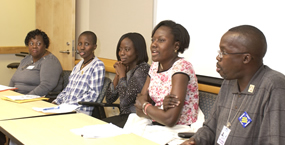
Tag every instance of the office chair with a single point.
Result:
(65, 77)
(98, 111)
(206, 102)
(16, 64)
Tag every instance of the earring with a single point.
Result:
(175, 51)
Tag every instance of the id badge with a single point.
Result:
(223, 135)
(30, 67)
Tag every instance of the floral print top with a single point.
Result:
(160, 86)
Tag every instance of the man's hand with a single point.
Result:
(191, 141)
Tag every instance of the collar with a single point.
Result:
(253, 84)
(77, 68)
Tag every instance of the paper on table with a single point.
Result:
(22, 97)
(4, 88)
(99, 130)
(62, 108)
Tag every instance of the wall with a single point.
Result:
(206, 22)
(17, 19)
(110, 19)
(82, 19)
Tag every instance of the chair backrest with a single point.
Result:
(98, 111)
(65, 76)
(106, 85)
(63, 81)
(206, 102)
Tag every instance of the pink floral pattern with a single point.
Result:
(160, 86)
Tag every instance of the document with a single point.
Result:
(23, 98)
(63, 108)
(5, 88)
(99, 131)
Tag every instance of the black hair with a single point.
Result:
(179, 32)
(34, 33)
(92, 34)
(139, 45)
(255, 38)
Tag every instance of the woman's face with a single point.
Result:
(162, 47)
(37, 48)
(127, 52)
(86, 46)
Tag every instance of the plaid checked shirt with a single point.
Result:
(84, 85)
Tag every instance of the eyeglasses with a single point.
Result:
(222, 53)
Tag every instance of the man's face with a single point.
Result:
(231, 48)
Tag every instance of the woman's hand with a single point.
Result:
(140, 100)
(121, 69)
(170, 101)
(115, 65)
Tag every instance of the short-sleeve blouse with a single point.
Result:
(160, 86)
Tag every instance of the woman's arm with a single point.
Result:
(11, 84)
(171, 116)
(50, 72)
(112, 93)
(116, 79)
(142, 98)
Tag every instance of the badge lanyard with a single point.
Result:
(226, 129)
(230, 123)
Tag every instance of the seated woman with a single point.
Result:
(39, 72)
(169, 75)
(87, 77)
(131, 72)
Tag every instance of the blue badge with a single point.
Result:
(244, 119)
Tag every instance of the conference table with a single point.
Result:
(56, 130)
(11, 110)
(23, 125)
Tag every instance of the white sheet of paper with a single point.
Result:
(62, 108)
(3, 88)
(160, 134)
(106, 130)
(23, 97)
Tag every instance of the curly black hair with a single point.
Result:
(34, 33)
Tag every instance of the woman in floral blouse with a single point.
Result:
(170, 77)
(131, 72)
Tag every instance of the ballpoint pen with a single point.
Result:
(51, 108)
